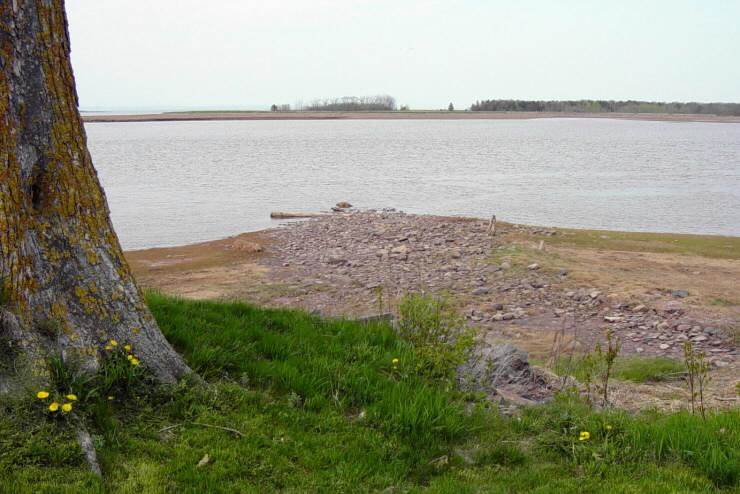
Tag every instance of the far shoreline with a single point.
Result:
(398, 115)
(279, 224)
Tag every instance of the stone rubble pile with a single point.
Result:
(353, 256)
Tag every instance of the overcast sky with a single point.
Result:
(130, 54)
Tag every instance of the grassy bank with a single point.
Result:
(301, 404)
(713, 246)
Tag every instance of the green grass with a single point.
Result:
(520, 257)
(635, 369)
(321, 409)
(700, 245)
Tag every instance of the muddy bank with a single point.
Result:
(397, 115)
(527, 285)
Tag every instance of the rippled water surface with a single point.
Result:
(171, 183)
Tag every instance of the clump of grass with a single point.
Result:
(521, 256)
(712, 446)
(633, 368)
(501, 454)
(334, 364)
(701, 245)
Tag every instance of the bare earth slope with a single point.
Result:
(528, 285)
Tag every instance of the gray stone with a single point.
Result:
(680, 293)
(503, 370)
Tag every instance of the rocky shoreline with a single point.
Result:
(352, 257)
(522, 286)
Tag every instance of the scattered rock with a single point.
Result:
(336, 259)
(401, 249)
(533, 266)
(504, 371)
(481, 291)
(680, 293)
(343, 205)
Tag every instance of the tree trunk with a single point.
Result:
(65, 286)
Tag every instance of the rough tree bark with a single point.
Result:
(64, 283)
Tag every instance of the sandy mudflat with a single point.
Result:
(398, 115)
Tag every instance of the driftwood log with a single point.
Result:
(279, 215)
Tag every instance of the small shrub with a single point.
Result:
(613, 346)
(594, 369)
(697, 376)
(436, 332)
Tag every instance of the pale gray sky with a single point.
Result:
(250, 53)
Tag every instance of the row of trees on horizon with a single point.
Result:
(604, 106)
(378, 102)
(386, 102)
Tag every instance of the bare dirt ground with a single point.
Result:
(526, 285)
(397, 115)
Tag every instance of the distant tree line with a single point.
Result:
(602, 106)
(381, 102)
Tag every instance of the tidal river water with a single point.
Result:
(173, 183)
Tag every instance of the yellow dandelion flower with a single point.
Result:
(71, 397)
(608, 427)
(584, 436)
(67, 407)
(42, 395)
(130, 357)
(113, 343)
(134, 361)
(54, 407)
(127, 348)
(395, 361)
(108, 347)
(110, 398)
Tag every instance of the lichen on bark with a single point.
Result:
(60, 258)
